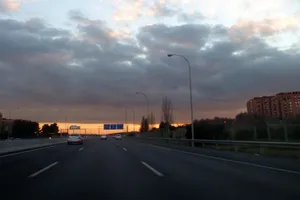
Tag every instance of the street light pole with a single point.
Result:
(133, 119)
(126, 119)
(66, 128)
(10, 129)
(133, 116)
(191, 94)
(98, 130)
(147, 101)
(10, 110)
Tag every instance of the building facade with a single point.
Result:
(260, 106)
(289, 103)
(1, 116)
(275, 107)
(6, 126)
(281, 105)
(254, 106)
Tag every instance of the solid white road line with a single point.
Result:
(124, 149)
(42, 170)
(228, 160)
(26, 151)
(81, 149)
(152, 169)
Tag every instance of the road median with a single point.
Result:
(16, 146)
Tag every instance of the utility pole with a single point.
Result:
(66, 125)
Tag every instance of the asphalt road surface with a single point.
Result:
(128, 169)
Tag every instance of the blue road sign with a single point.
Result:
(120, 126)
(106, 126)
(113, 126)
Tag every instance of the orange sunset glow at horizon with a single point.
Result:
(97, 128)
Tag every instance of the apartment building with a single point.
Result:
(289, 103)
(1, 116)
(260, 106)
(285, 104)
(253, 106)
(275, 107)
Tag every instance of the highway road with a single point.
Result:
(129, 169)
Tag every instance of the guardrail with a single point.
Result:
(262, 145)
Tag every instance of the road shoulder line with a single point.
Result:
(226, 160)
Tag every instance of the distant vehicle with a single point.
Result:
(75, 139)
(118, 137)
(103, 137)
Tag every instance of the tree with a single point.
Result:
(167, 111)
(153, 129)
(144, 125)
(46, 130)
(151, 120)
(25, 128)
(54, 128)
(162, 124)
(207, 129)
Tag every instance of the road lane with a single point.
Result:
(103, 170)
(17, 167)
(213, 179)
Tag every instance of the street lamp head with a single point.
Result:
(170, 55)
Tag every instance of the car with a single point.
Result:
(75, 139)
(118, 137)
(103, 137)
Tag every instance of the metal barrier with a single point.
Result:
(262, 145)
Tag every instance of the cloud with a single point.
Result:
(13, 5)
(163, 9)
(130, 10)
(266, 27)
(94, 30)
(190, 17)
(93, 76)
(6, 5)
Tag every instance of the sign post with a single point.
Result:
(74, 127)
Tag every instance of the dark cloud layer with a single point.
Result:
(90, 75)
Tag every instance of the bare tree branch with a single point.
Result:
(151, 120)
(167, 110)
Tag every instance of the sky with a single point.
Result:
(85, 60)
